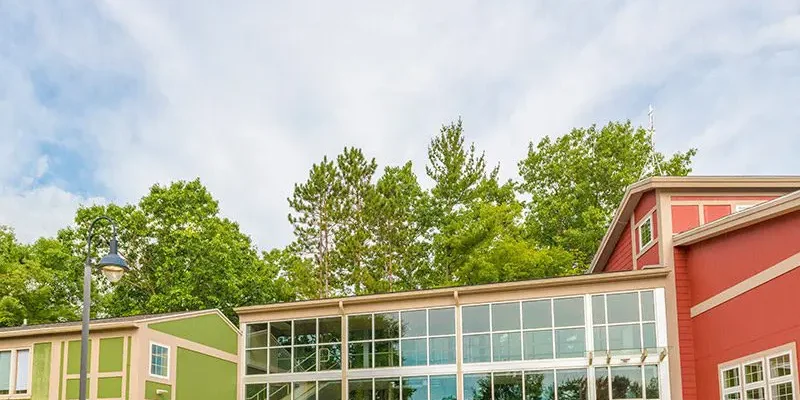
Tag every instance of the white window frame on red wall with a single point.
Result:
(767, 382)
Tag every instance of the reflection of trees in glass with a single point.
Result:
(601, 384)
(507, 386)
(572, 385)
(477, 387)
(539, 386)
(623, 388)
(652, 387)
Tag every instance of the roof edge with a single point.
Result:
(55, 330)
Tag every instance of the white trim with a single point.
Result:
(150, 360)
(643, 247)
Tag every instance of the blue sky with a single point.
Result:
(101, 99)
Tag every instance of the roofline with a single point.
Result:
(753, 215)
(454, 291)
(626, 207)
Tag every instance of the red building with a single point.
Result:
(732, 249)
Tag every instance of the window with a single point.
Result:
(563, 384)
(15, 370)
(303, 345)
(645, 232)
(159, 360)
(624, 322)
(755, 378)
(629, 382)
(438, 387)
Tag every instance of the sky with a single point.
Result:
(99, 100)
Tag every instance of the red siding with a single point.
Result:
(753, 322)
(650, 257)
(685, 218)
(646, 203)
(685, 332)
(724, 261)
(715, 212)
(621, 258)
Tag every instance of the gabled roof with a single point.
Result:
(753, 215)
(682, 184)
(102, 324)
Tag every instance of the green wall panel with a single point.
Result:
(74, 387)
(200, 376)
(61, 372)
(40, 381)
(109, 388)
(111, 354)
(210, 330)
(128, 371)
(74, 357)
(150, 388)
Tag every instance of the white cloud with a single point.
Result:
(248, 95)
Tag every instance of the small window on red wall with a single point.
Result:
(645, 233)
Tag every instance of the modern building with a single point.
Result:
(690, 296)
(178, 356)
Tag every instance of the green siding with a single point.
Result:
(40, 381)
(210, 330)
(111, 354)
(109, 388)
(150, 391)
(61, 371)
(74, 357)
(128, 372)
(200, 376)
(74, 387)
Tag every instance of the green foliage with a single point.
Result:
(576, 181)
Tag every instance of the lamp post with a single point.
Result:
(113, 267)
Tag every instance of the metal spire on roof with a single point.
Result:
(652, 162)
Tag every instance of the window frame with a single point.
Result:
(13, 373)
(648, 220)
(150, 360)
(768, 381)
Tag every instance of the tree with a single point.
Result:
(576, 181)
(183, 255)
(315, 206)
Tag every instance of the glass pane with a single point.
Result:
(415, 352)
(415, 388)
(442, 321)
(305, 358)
(443, 350)
(280, 360)
(305, 331)
(506, 346)
(539, 385)
(476, 348)
(359, 389)
(387, 389)
(571, 384)
(754, 372)
(624, 337)
(414, 323)
(779, 366)
(733, 396)
(649, 333)
(570, 343)
(330, 390)
(601, 383)
(475, 319)
(305, 391)
(648, 306)
(255, 391)
(387, 353)
(626, 382)
(359, 327)
(5, 372)
(507, 386)
(730, 378)
(505, 317)
(256, 335)
(443, 387)
(387, 326)
(280, 333)
(330, 330)
(598, 309)
(754, 394)
(782, 391)
(651, 381)
(600, 338)
(538, 345)
(330, 357)
(280, 391)
(536, 314)
(623, 307)
(568, 312)
(477, 387)
(360, 355)
(256, 361)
